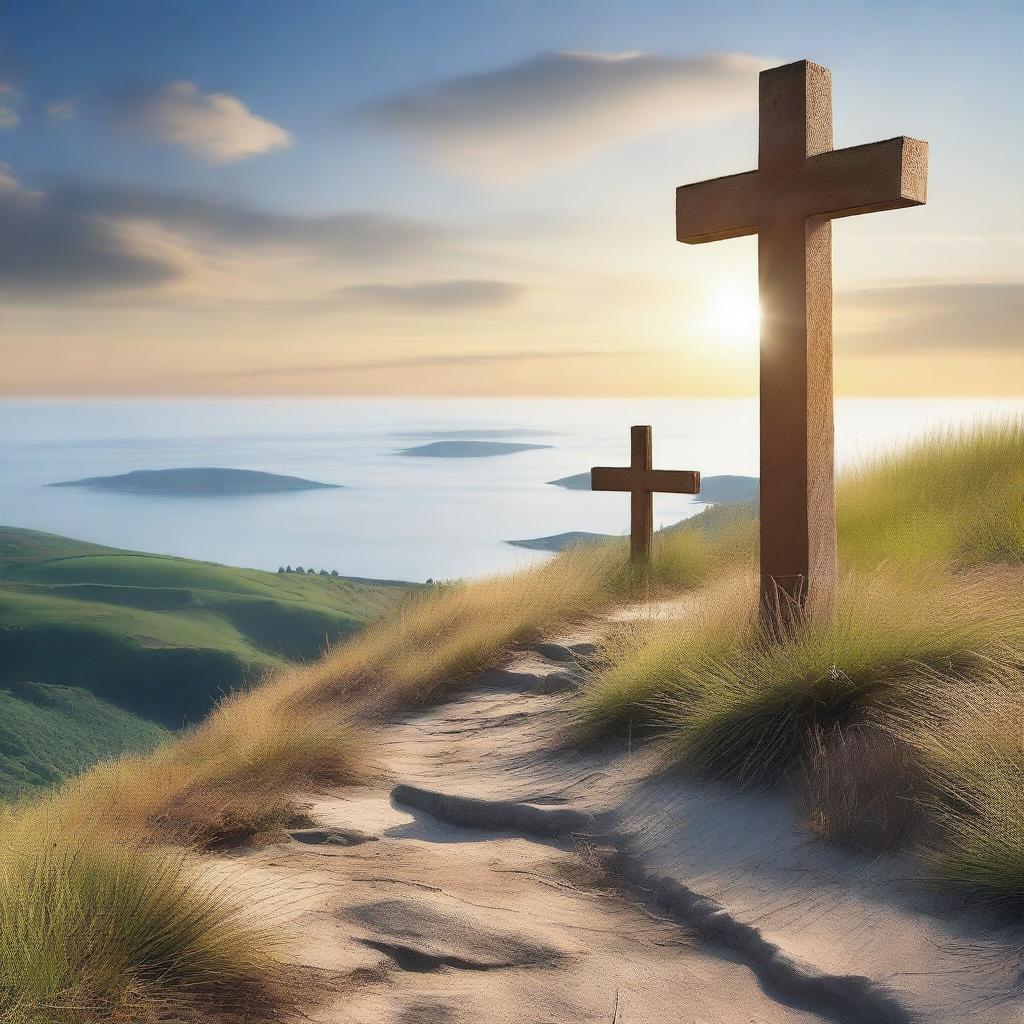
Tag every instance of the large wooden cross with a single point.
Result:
(800, 185)
(641, 480)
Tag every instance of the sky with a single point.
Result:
(445, 197)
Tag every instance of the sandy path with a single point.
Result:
(415, 919)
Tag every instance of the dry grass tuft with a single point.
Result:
(102, 915)
(968, 733)
(861, 787)
(228, 780)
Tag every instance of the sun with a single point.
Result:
(733, 316)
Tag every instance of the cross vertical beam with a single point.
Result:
(794, 260)
(797, 520)
(641, 500)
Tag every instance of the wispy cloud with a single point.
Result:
(418, 362)
(357, 235)
(435, 295)
(50, 248)
(972, 316)
(214, 125)
(557, 108)
(88, 238)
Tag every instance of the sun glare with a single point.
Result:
(734, 316)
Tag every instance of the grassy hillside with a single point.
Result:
(48, 733)
(127, 645)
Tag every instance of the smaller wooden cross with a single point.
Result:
(642, 481)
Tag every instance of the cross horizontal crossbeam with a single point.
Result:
(839, 183)
(663, 481)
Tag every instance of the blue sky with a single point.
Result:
(339, 108)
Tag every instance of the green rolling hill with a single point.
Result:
(103, 651)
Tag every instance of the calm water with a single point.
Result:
(398, 517)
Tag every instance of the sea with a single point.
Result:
(395, 516)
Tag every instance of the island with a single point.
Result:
(196, 482)
(576, 482)
(713, 489)
(468, 449)
(727, 489)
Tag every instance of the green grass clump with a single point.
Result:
(646, 659)
(92, 929)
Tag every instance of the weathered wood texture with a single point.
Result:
(642, 481)
(800, 185)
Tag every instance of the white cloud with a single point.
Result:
(558, 108)
(214, 125)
